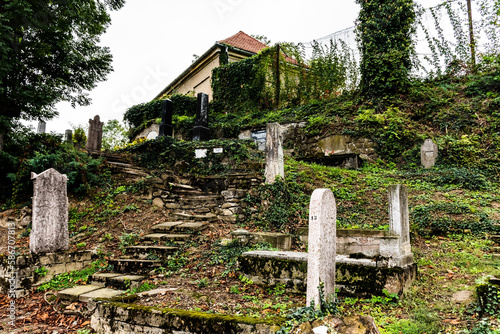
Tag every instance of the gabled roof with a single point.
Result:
(245, 42)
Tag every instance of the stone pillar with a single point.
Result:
(94, 137)
(322, 245)
(68, 137)
(167, 110)
(49, 231)
(275, 165)
(428, 153)
(201, 132)
(41, 127)
(399, 223)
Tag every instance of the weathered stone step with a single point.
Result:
(179, 226)
(495, 238)
(117, 281)
(134, 266)
(144, 251)
(495, 249)
(182, 186)
(188, 192)
(207, 217)
(84, 293)
(162, 237)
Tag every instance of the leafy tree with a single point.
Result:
(113, 134)
(383, 33)
(49, 53)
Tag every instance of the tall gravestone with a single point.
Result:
(322, 245)
(274, 153)
(94, 137)
(201, 132)
(68, 137)
(399, 222)
(428, 153)
(167, 110)
(49, 231)
(41, 127)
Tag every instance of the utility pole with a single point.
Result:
(471, 37)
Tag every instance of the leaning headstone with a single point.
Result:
(399, 223)
(201, 132)
(41, 127)
(274, 153)
(322, 245)
(68, 137)
(167, 110)
(94, 137)
(428, 153)
(49, 231)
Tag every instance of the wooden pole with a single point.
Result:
(471, 36)
(278, 79)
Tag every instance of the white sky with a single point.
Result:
(153, 41)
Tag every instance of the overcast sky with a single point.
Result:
(153, 41)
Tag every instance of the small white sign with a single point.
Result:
(218, 150)
(200, 153)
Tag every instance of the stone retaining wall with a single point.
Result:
(129, 318)
(26, 265)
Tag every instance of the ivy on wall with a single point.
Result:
(384, 32)
(139, 116)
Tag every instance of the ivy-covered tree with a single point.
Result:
(384, 34)
(49, 52)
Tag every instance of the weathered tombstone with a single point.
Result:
(428, 153)
(49, 231)
(167, 110)
(94, 137)
(322, 245)
(41, 127)
(201, 132)
(399, 223)
(68, 137)
(274, 153)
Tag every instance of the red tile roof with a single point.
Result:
(244, 42)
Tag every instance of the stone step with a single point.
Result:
(134, 265)
(495, 249)
(188, 192)
(84, 293)
(179, 226)
(162, 237)
(495, 238)
(206, 217)
(142, 252)
(182, 186)
(117, 281)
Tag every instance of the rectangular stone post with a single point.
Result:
(49, 231)
(167, 110)
(322, 245)
(68, 137)
(275, 165)
(94, 137)
(399, 223)
(201, 132)
(41, 127)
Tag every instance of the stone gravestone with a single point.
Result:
(428, 153)
(167, 110)
(41, 127)
(201, 132)
(94, 137)
(399, 224)
(322, 245)
(68, 137)
(49, 231)
(274, 153)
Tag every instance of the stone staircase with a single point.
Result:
(190, 212)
